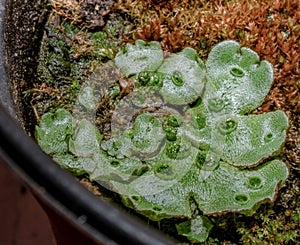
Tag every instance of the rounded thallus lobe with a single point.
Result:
(184, 79)
(237, 77)
(139, 57)
(243, 141)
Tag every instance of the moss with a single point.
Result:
(68, 57)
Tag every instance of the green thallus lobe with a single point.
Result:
(211, 152)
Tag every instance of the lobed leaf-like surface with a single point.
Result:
(54, 130)
(244, 141)
(121, 170)
(196, 229)
(227, 188)
(87, 98)
(183, 82)
(139, 57)
(237, 80)
(211, 156)
(85, 140)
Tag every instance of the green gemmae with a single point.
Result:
(185, 140)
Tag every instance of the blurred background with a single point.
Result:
(22, 220)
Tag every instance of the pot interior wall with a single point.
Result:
(22, 35)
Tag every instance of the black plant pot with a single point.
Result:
(77, 216)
